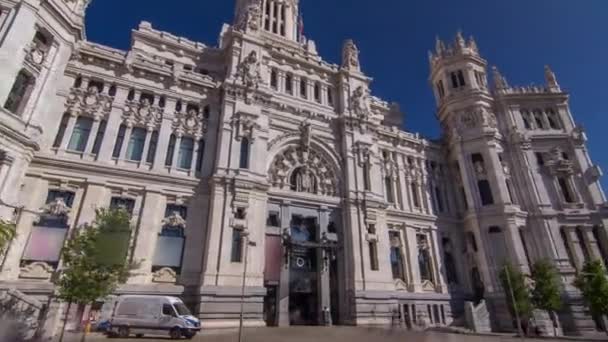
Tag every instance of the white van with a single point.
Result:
(152, 315)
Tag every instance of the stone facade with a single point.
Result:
(258, 150)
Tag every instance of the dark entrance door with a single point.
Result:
(303, 282)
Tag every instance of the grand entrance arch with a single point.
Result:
(304, 262)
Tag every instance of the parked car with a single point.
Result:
(152, 315)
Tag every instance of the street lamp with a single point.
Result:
(246, 243)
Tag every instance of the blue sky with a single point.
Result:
(518, 36)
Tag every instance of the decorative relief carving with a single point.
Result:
(57, 208)
(250, 74)
(37, 271)
(246, 126)
(557, 164)
(142, 113)
(301, 168)
(165, 275)
(89, 102)
(190, 122)
(175, 220)
(360, 103)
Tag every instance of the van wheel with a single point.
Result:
(123, 332)
(175, 333)
(189, 336)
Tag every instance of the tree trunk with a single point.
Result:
(65, 321)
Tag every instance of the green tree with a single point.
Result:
(517, 294)
(593, 284)
(7, 233)
(546, 292)
(89, 273)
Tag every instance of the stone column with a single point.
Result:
(92, 136)
(178, 142)
(147, 234)
(125, 143)
(412, 249)
(323, 286)
(69, 130)
(195, 152)
(113, 125)
(144, 155)
(36, 189)
(283, 302)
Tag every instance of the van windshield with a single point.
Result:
(181, 309)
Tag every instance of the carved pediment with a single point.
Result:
(37, 271)
(164, 275)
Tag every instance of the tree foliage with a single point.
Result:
(516, 291)
(88, 275)
(593, 284)
(546, 292)
(7, 233)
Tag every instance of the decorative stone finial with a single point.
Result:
(500, 82)
(460, 42)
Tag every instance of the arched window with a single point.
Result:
(131, 95)
(244, 160)
(78, 82)
(206, 112)
(525, 116)
(20, 92)
(170, 150)
(538, 118)
(186, 151)
(112, 90)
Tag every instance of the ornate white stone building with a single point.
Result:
(349, 215)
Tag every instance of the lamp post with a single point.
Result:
(246, 243)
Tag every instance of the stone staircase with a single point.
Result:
(477, 317)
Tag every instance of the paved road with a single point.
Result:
(335, 334)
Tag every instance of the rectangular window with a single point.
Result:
(61, 131)
(439, 199)
(20, 93)
(274, 219)
(317, 92)
(135, 149)
(330, 97)
(120, 138)
(237, 246)
(289, 84)
(152, 148)
(582, 241)
(454, 78)
(415, 195)
(366, 182)
(303, 86)
(485, 192)
(440, 89)
(274, 79)
(396, 257)
(461, 81)
(566, 190)
(127, 204)
(388, 185)
(200, 155)
(564, 236)
(170, 150)
(101, 131)
(186, 151)
(80, 135)
(373, 256)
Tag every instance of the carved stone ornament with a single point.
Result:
(557, 164)
(306, 135)
(190, 122)
(175, 220)
(251, 17)
(57, 208)
(499, 81)
(37, 271)
(90, 102)
(165, 275)
(249, 71)
(480, 168)
(350, 56)
(142, 113)
(360, 103)
(303, 171)
(36, 55)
